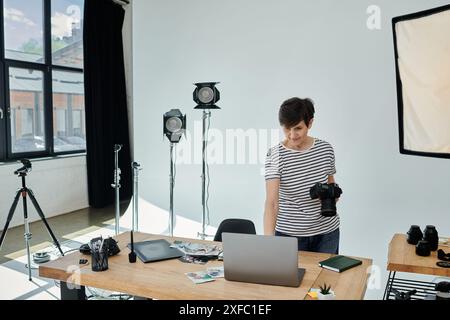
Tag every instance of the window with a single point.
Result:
(26, 103)
(24, 30)
(68, 106)
(42, 82)
(67, 33)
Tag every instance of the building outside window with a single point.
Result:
(42, 62)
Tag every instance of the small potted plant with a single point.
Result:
(326, 293)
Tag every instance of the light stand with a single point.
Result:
(116, 184)
(174, 125)
(172, 186)
(136, 168)
(206, 115)
(205, 95)
(24, 191)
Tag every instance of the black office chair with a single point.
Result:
(235, 226)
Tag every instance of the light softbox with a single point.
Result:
(422, 57)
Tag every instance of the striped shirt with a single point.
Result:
(299, 215)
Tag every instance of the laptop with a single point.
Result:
(261, 259)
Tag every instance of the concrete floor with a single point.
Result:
(65, 227)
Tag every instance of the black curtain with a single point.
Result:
(106, 101)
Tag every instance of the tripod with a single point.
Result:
(24, 191)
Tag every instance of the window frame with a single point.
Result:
(4, 116)
(47, 69)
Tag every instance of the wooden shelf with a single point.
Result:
(402, 258)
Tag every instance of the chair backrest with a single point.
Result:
(235, 226)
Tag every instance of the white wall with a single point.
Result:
(59, 185)
(264, 52)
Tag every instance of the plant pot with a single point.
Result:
(330, 296)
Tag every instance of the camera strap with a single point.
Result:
(443, 264)
(443, 256)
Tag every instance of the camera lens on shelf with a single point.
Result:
(414, 235)
(423, 248)
(430, 234)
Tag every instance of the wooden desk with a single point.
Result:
(167, 279)
(402, 258)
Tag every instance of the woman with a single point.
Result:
(292, 168)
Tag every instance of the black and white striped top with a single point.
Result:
(298, 171)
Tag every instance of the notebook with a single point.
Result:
(155, 250)
(339, 263)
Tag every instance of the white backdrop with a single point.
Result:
(263, 52)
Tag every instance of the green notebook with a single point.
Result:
(339, 263)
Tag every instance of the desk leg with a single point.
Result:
(72, 293)
(390, 281)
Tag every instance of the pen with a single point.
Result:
(101, 245)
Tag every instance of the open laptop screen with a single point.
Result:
(261, 259)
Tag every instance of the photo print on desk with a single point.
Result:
(199, 277)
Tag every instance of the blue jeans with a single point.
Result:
(324, 243)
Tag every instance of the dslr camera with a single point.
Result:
(327, 193)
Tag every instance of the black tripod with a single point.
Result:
(24, 191)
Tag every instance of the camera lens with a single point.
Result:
(327, 194)
(414, 235)
(328, 207)
(430, 234)
(443, 286)
(423, 248)
(443, 290)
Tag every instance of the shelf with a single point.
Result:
(425, 290)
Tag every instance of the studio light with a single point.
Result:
(174, 125)
(206, 95)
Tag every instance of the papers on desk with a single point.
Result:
(197, 249)
(215, 272)
(210, 274)
(199, 277)
(194, 251)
